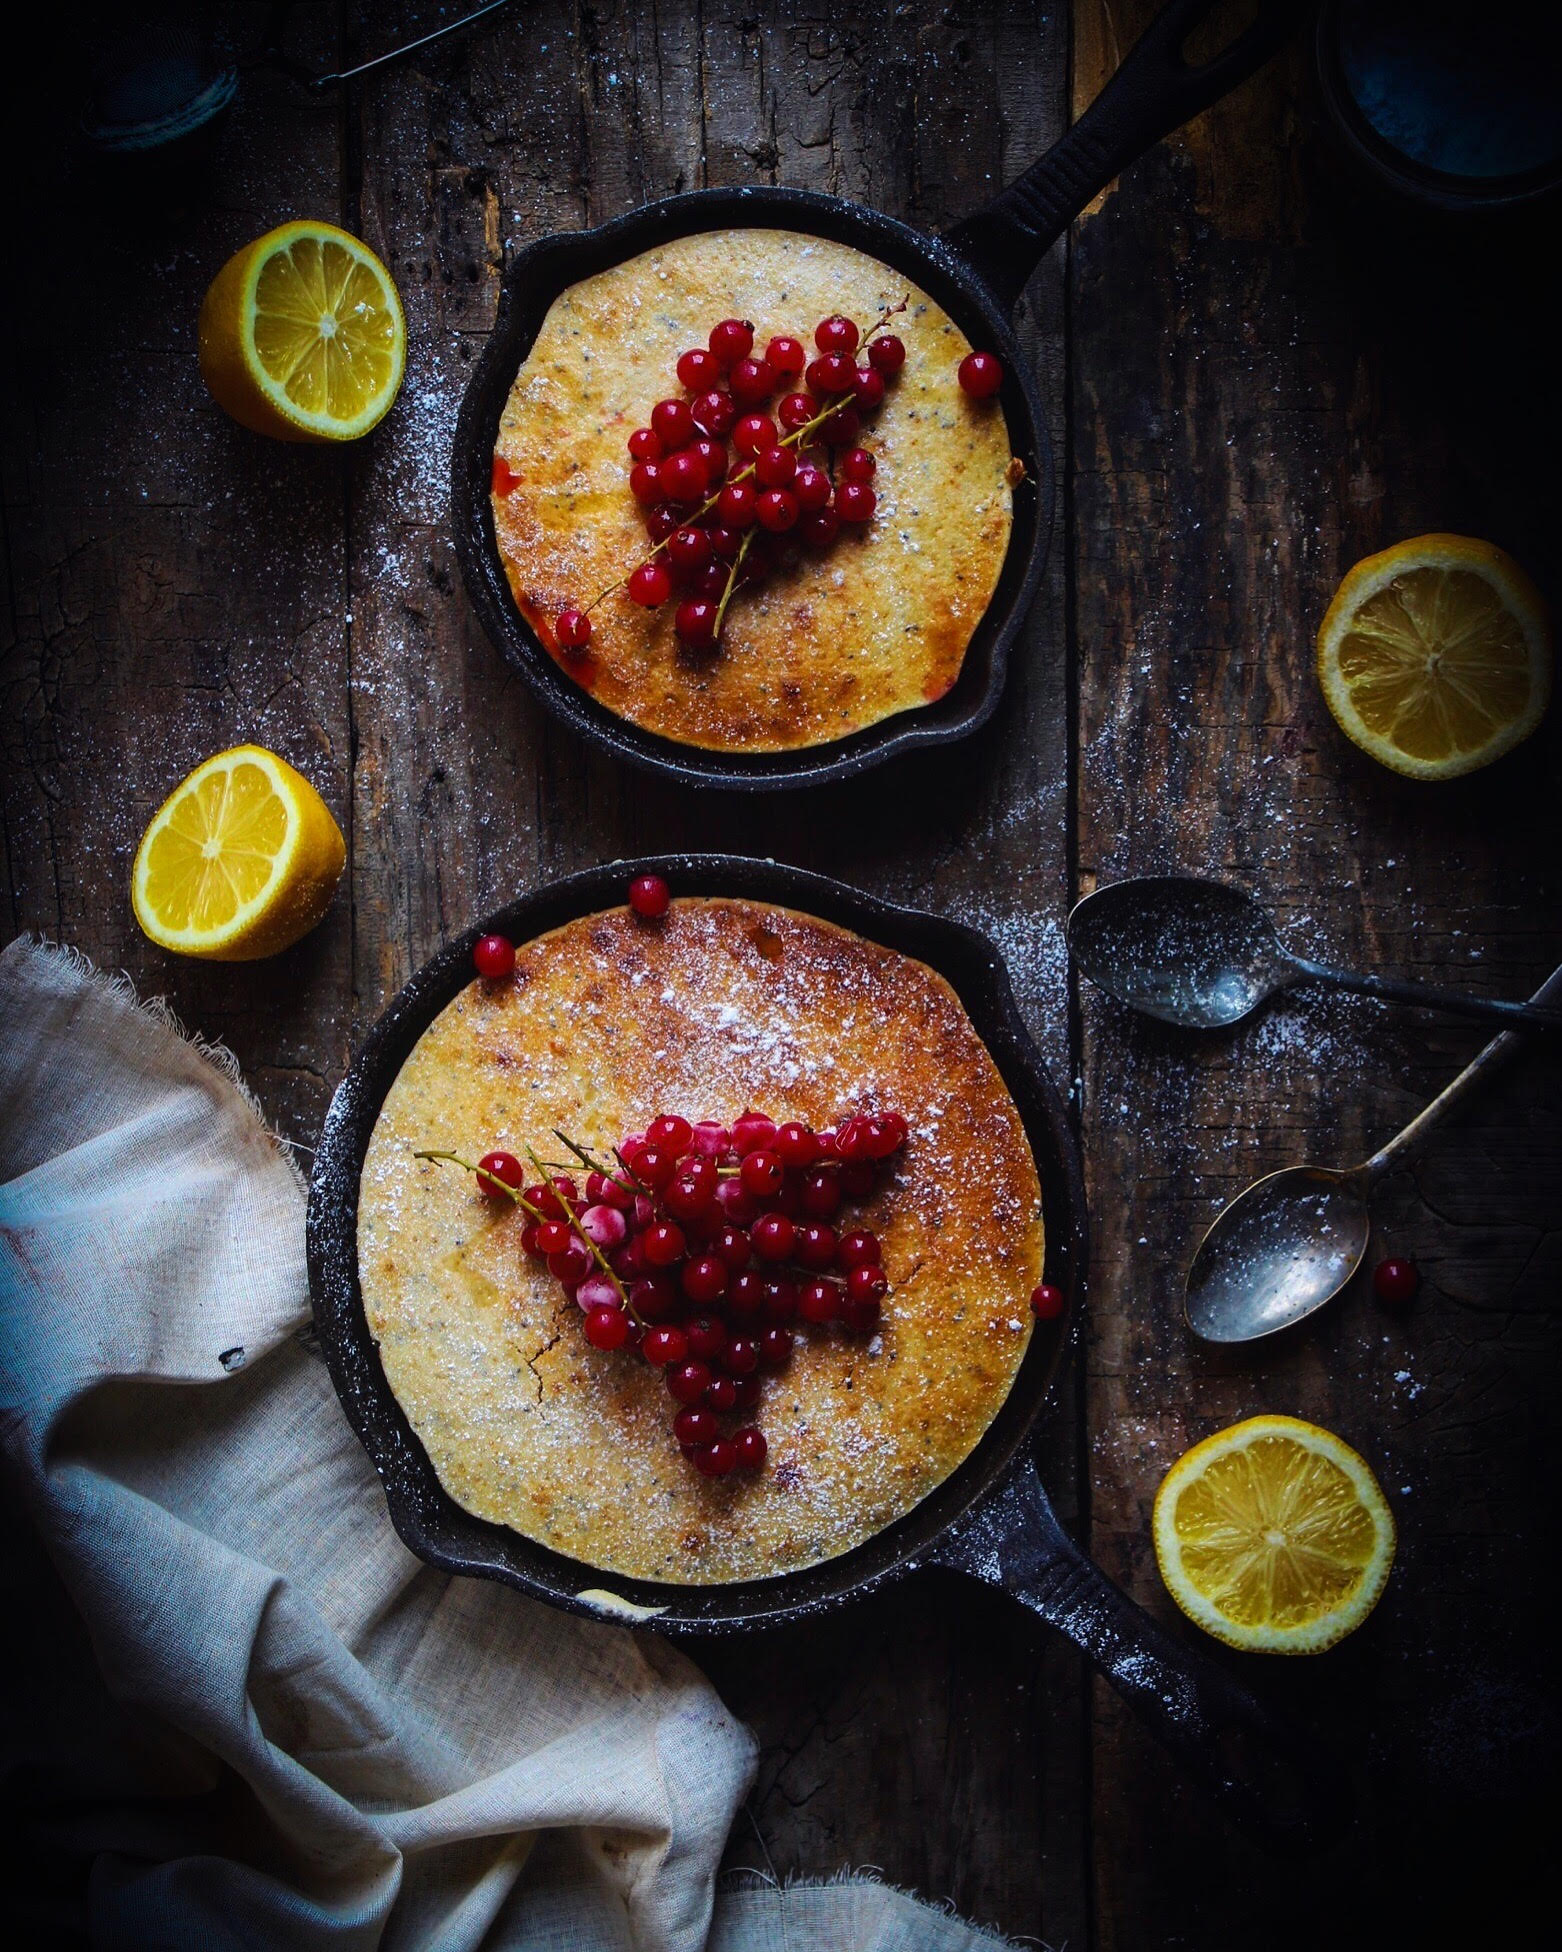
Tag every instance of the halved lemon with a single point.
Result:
(1435, 656)
(1273, 1536)
(239, 862)
(302, 335)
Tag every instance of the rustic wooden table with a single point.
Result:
(1256, 375)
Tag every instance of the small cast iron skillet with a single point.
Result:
(976, 273)
(990, 1520)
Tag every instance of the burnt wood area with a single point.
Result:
(1256, 373)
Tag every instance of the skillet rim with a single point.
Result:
(951, 279)
(439, 1531)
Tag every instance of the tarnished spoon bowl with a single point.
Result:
(1190, 952)
(1280, 1250)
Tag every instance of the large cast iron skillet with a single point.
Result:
(991, 1520)
(976, 273)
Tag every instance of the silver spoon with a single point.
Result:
(1293, 1239)
(1202, 954)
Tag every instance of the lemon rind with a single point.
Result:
(324, 425)
(1315, 1636)
(1519, 597)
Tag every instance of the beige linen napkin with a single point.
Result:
(290, 1731)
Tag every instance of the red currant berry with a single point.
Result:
(704, 1280)
(671, 1130)
(603, 1189)
(698, 369)
(691, 1193)
(695, 621)
(795, 1145)
(1396, 1281)
(886, 355)
(819, 1302)
(780, 1303)
(648, 897)
(662, 520)
(980, 375)
(739, 501)
(655, 1167)
(752, 1450)
(811, 486)
(895, 1124)
(855, 502)
(816, 1245)
(688, 550)
(681, 477)
(571, 1264)
(553, 1236)
(775, 1348)
(752, 1131)
(741, 1357)
(737, 1206)
(707, 1336)
(762, 1173)
(832, 372)
(724, 542)
(710, 584)
(858, 465)
(795, 411)
(713, 458)
(650, 585)
(696, 1427)
(842, 428)
(604, 1225)
(820, 526)
(504, 1168)
(645, 444)
(573, 630)
(868, 389)
(547, 1202)
(732, 340)
(607, 1328)
(786, 357)
(821, 1192)
(718, 1460)
(494, 957)
(715, 412)
(851, 1139)
(686, 1381)
(529, 1241)
(1046, 1302)
(665, 1345)
(645, 483)
(730, 1245)
(866, 1283)
(836, 334)
(672, 423)
(752, 381)
(748, 1392)
(721, 1393)
(753, 434)
(777, 510)
(654, 1299)
(775, 467)
(859, 1249)
(745, 1294)
(772, 1234)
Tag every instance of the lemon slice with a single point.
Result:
(1273, 1536)
(239, 862)
(302, 335)
(1435, 656)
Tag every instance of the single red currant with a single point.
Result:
(859, 1249)
(886, 354)
(751, 1131)
(732, 340)
(832, 372)
(645, 483)
(730, 1245)
(795, 1145)
(748, 1393)
(691, 1193)
(672, 423)
(745, 1294)
(724, 542)
(704, 1280)
(741, 1357)
(868, 389)
(718, 1460)
(715, 412)
(780, 1303)
(836, 334)
(772, 1234)
(721, 1393)
(503, 1168)
(775, 1348)
(494, 957)
(821, 1192)
(775, 467)
(819, 1302)
(753, 434)
(696, 1427)
(686, 1381)
(662, 520)
(842, 428)
(786, 357)
(650, 585)
(681, 477)
(655, 1299)
(858, 464)
(820, 526)
(688, 550)
(713, 458)
(1046, 1302)
(698, 369)
(645, 444)
(654, 1167)
(752, 381)
(811, 486)
(795, 411)
(777, 510)
(762, 1173)
(573, 629)
(866, 1283)
(751, 1448)
(855, 501)
(816, 1245)
(571, 1264)
(1396, 1281)
(707, 1336)
(607, 1328)
(695, 621)
(553, 1236)
(648, 897)
(980, 375)
(663, 1243)
(739, 501)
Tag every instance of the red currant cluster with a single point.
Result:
(705, 1247)
(716, 522)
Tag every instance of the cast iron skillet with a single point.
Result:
(991, 1520)
(976, 273)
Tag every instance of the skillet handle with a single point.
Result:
(1274, 1781)
(1154, 91)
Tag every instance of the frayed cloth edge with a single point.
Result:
(751, 1878)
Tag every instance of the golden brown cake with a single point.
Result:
(829, 643)
(607, 1022)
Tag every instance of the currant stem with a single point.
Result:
(591, 1164)
(732, 581)
(596, 1252)
(489, 1179)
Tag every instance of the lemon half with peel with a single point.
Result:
(302, 335)
(1273, 1536)
(239, 862)
(1435, 656)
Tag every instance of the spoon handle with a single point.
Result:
(1476, 1072)
(1432, 996)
